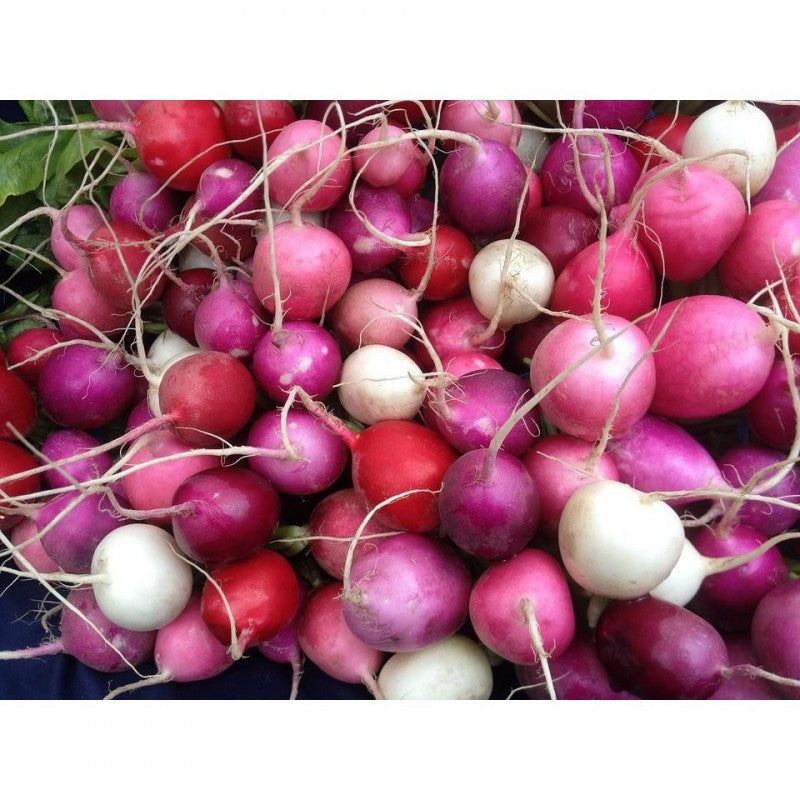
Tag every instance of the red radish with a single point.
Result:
(62, 444)
(784, 182)
(704, 367)
(771, 415)
(178, 139)
(493, 120)
(618, 377)
(766, 250)
(262, 592)
(669, 129)
(121, 259)
(489, 504)
(326, 639)
(72, 229)
(227, 513)
(25, 537)
(313, 269)
(24, 349)
(75, 295)
(688, 220)
(13, 462)
(628, 283)
(608, 113)
(115, 110)
(406, 592)
(521, 608)
(225, 241)
(17, 405)
(452, 254)
(483, 186)
(659, 650)
(384, 156)
(560, 465)
(253, 123)
(560, 232)
(200, 413)
(140, 199)
(310, 166)
(333, 523)
(775, 634)
(181, 300)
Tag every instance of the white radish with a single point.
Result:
(454, 669)
(165, 347)
(140, 583)
(192, 258)
(616, 542)
(511, 279)
(681, 585)
(380, 383)
(532, 147)
(734, 125)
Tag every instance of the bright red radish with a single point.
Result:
(250, 122)
(452, 254)
(24, 349)
(17, 405)
(14, 461)
(669, 129)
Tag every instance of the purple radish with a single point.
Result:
(62, 444)
(775, 633)
(743, 687)
(771, 415)
(609, 113)
(141, 199)
(222, 184)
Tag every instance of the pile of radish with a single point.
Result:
(416, 392)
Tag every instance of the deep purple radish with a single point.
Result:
(560, 183)
(141, 199)
(319, 456)
(577, 675)
(713, 357)
(493, 120)
(421, 210)
(386, 211)
(731, 596)
(482, 186)
(477, 405)
(608, 113)
(373, 311)
(230, 320)
(738, 466)
(771, 415)
(79, 222)
(80, 640)
(560, 232)
(353, 113)
(299, 354)
(79, 302)
(775, 633)
(559, 465)
(743, 687)
(66, 443)
(657, 455)
(327, 640)
(527, 336)
(73, 525)
(659, 650)
(181, 300)
(223, 184)
(784, 182)
(766, 249)
(333, 523)
(489, 505)
(620, 374)
(86, 387)
(406, 592)
(226, 513)
(521, 608)
(25, 537)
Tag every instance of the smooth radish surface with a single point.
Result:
(511, 280)
(144, 583)
(734, 125)
(560, 232)
(251, 123)
(66, 443)
(669, 129)
(406, 592)
(617, 543)
(25, 537)
(223, 185)
(775, 632)
(771, 415)
(714, 356)
(784, 182)
(13, 461)
(384, 156)
(452, 255)
(79, 302)
(115, 110)
(454, 669)
(463, 363)
(513, 598)
(17, 405)
(165, 347)
(621, 373)
(744, 687)
(71, 232)
(140, 199)
(682, 583)
(608, 113)
(495, 120)
(23, 352)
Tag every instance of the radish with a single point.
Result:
(775, 634)
(406, 592)
(17, 405)
(28, 543)
(226, 184)
(165, 347)
(252, 123)
(72, 230)
(115, 110)
(669, 129)
(559, 232)
(15, 461)
(609, 113)
(743, 687)
(24, 349)
(140, 199)
(784, 181)
(142, 582)
(474, 361)
(452, 255)
(771, 414)
(355, 113)
(384, 156)
(181, 300)
(510, 281)
(454, 669)
(492, 120)
(616, 542)
(734, 125)
(379, 383)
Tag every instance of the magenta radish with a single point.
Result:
(771, 415)
(115, 110)
(734, 125)
(510, 281)
(454, 669)
(78, 302)
(492, 120)
(616, 380)
(521, 608)
(559, 465)
(483, 187)
(140, 199)
(226, 514)
(609, 113)
(327, 640)
(560, 232)
(71, 234)
(660, 650)
(227, 184)
(616, 542)
(784, 181)
(313, 269)
(374, 311)
(383, 156)
(463, 363)
(86, 387)
(63, 444)
(318, 458)
(25, 538)
(766, 250)
(489, 504)
(743, 687)
(775, 633)
(406, 592)
(714, 356)
(142, 582)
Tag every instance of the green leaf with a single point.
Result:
(39, 112)
(79, 144)
(22, 167)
